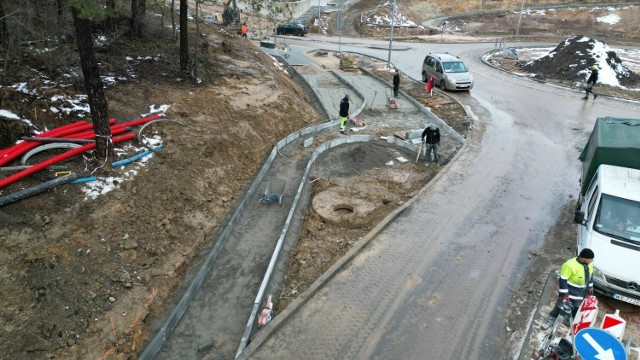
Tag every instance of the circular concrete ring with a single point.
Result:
(340, 207)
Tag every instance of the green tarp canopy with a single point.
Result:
(613, 141)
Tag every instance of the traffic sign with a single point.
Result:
(586, 314)
(614, 324)
(597, 344)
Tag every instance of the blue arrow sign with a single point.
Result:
(597, 344)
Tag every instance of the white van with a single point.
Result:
(609, 224)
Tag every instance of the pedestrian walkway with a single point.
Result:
(217, 314)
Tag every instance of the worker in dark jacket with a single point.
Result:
(593, 79)
(576, 282)
(431, 137)
(344, 113)
(396, 83)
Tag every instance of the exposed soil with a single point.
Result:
(326, 238)
(85, 278)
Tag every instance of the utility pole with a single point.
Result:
(519, 19)
(393, 16)
(340, 11)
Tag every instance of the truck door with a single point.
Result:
(589, 208)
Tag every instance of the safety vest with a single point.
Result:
(574, 280)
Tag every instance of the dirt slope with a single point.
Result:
(83, 278)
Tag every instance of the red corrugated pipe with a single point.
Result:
(65, 155)
(44, 134)
(25, 146)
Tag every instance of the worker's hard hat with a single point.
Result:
(595, 67)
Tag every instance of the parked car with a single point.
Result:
(292, 29)
(449, 72)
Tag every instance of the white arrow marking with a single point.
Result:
(602, 353)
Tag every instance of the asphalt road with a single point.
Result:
(434, 284)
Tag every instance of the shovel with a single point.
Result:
(419, 152)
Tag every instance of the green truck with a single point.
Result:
(608, 211)
(613, 141)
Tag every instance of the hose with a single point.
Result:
(158, 120)
(19, 195)
(84, 180)
(46, 147)
(23, 167)
(136, 157)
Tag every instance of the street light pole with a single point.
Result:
(519, 18)
(393, 15)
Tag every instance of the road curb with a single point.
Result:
(549, 286)
(281, 319)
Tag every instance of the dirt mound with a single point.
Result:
(573, 57)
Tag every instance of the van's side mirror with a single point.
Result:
(579, 218)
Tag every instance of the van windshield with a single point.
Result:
(619, 218)
(454, 67)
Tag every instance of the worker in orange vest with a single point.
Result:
(244, 30)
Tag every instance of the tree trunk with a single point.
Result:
(173, 18)
(137, 17)
(184, 37)
(3, 28)
(60, 12)
(93, 85)
(194, 70)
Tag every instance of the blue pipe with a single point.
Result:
(136, 157)
(83, 180)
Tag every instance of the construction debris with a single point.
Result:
(348, 63)
(436, 101)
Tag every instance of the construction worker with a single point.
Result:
(429, 86)
(431, 136)
(396, 83)
(244, 30)
(576, 282)
(344, 113)
(593, 79)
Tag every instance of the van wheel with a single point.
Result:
(443, 85)
(424, 76)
